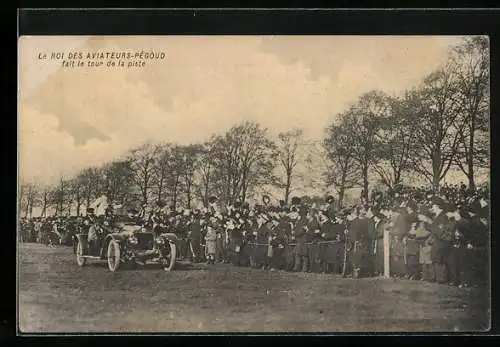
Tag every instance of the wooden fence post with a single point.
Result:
(387, 250)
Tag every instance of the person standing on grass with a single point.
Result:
(210, 244)
(300, 233)
(278, 245)
(379, 226)
(357, 241)
(439, 228)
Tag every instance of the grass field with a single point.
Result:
(55, 295)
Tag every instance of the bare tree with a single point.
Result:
(76, 188)
(363, 119)
(142, 164)
(60, 196)
(288, 146)
(244, 158)
(471, 71)
(118, 178)
(343, 170)
(395, 140)
(437, 126)
(45, 200)
(160, 170)
(189, 163)
(28, 197)
(175, 174)
(89, 181)
(205, 171)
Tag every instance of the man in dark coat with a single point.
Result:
(379, 226)
(299, 232)
(313, 245)
(330, 206)
(411, 255)
(261, 244)
(195, 239)
(332, 232)
(235, 228)
(404, 219)
(456, 254)
(357, 242)
(284, 229)
(440, 228)
(278, 243)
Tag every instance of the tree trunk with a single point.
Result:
(145, 194)
(435, 183)
(470, 157)
(160, 188)
(436, 172)
(174, 197)
(341, 196)
(205, 196)
(44, 207)
(365, 182)
(287, 187)
(188, 195)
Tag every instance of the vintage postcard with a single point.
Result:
(253, 184)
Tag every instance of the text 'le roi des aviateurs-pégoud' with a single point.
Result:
(101, 59)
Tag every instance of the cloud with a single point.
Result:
(72, 118)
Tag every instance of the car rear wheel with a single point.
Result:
(113, 256)
(80, 259)
(169, 260)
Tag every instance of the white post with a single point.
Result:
(387, 249)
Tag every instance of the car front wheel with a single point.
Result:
(80, 259)
(169, 259)
(113, 255)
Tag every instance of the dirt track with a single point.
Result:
(55, 295)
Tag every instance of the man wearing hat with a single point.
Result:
(194, 238)
(88, 220)
(330, 206)
(313, 239)
(210, 243)
(457, 251)
(404, 219)
(261, 240)
(235, 229)
(92, 224)
(300, 233)
(380, 224)
(278, 242)
(266, 201)
(440, 230)
(212, 205)
(332, 232)
(295, 204)
(284, 231)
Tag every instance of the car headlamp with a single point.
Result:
(160, 241)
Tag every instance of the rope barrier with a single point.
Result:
(258, 244)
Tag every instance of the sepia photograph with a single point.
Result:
(253, 184)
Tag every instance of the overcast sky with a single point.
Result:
(72, 118)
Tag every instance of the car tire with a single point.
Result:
(169, 262)
(113, 255)
(80, 259)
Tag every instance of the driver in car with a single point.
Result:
(109, 220)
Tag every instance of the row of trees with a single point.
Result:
(440, 125)
(232, 166)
